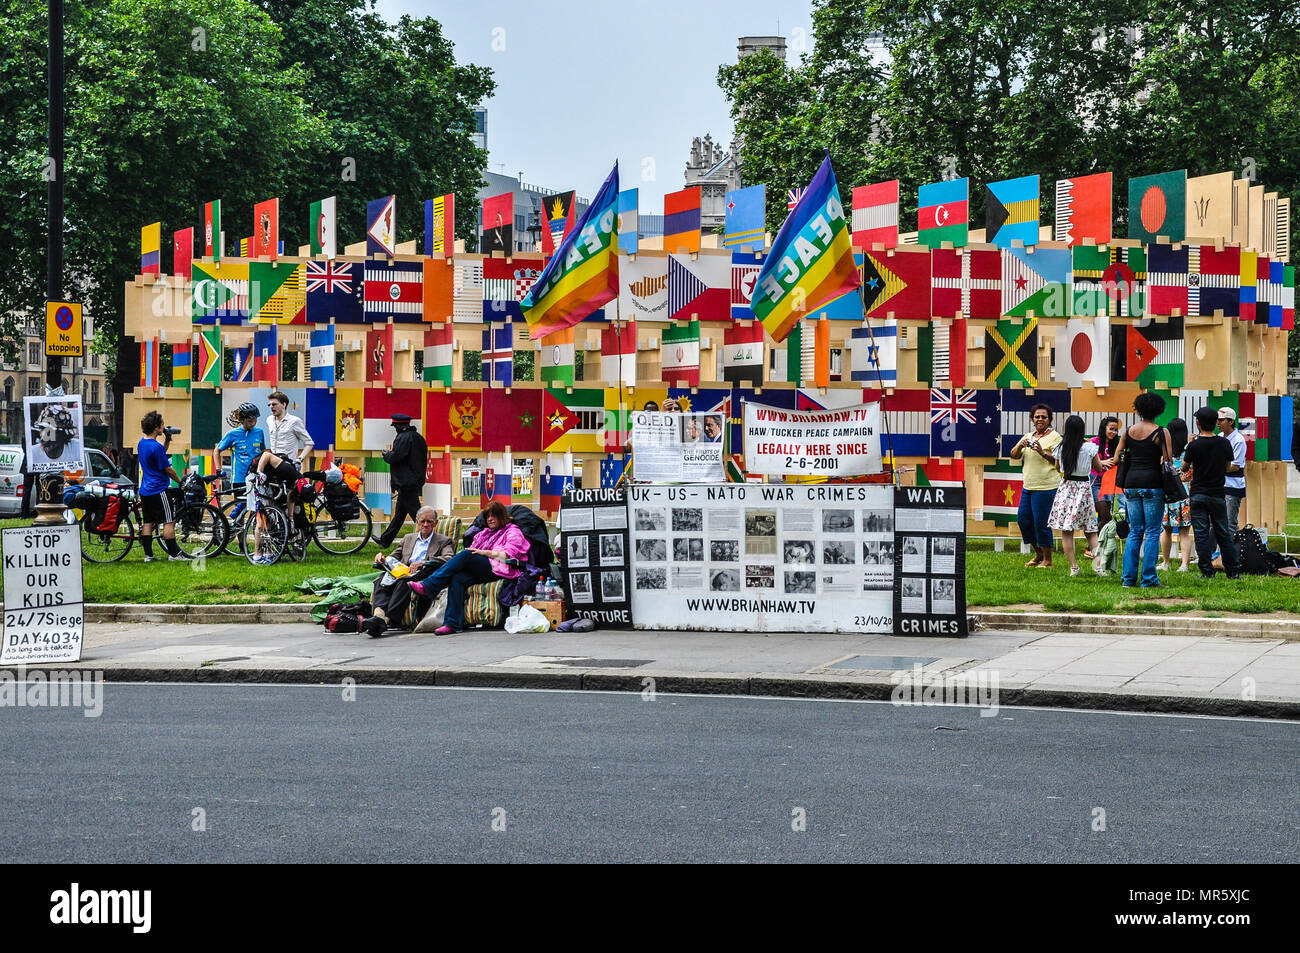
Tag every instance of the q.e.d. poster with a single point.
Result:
(594, 551)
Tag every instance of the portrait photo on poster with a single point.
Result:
(611, 587)
(580, 586)
(611, 549)
(651, 520)
(724, 580)
(688, 549)
(54, 435)
(577, 551)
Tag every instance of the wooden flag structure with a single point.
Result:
(897, 285)
(743, 354)
(1011, 353)
(266, 229)
(822, 353)
(941, 213)
(875, 215)
(150, 240)
(498, 224)
(680, 354)
(381, 226)
(266, 355)
(1011, 211)
(379, 355)
(628, 222)
(557, 358)
(149, 363)
(499, 354)
(439, 345)
(1157, 205)
(322, 356)
(181, 366)
(745, 211)
(558, 211)
(682, 220)
(440, 225)
(1083, 209)
(182, 253)
(212, 230)
(873, 354)
(207, 357)
(1083, 352)
(322, 228)
(618, 354)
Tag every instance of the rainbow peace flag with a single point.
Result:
(811, 261)
(583, 274)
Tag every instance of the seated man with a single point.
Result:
(424, 551)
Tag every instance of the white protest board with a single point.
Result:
(750, 558)
(842, 442)
(677, 448)
(43, 616)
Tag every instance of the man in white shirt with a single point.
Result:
(424, 552)
(1234, 484)
(288, 444)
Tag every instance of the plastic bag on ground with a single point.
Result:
(529, 619)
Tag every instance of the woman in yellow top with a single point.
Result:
(1038, 450)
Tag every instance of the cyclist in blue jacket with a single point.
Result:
(246, 440)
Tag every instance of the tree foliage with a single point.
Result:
(173, 103)
(996, 89)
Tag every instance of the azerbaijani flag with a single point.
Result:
(811, 261)
(583, 274)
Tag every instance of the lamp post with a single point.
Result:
(48, 506)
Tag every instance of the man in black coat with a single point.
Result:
(406, 464)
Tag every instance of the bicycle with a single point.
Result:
(335, 530)
(200, 529)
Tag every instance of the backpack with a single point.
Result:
(1252, 553)
(342, 502)
(105, 515)
(346, 616)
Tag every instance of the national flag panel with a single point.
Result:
(699, 288)
(873, 354)
(394, 290)
(499, 355)
(618, 354)
(439, 347)
(963, 420)
(897, 285)
(875, 215)
(1011, 212)
(680, 353)
(743, 354)
(381, 226)
(628, 222)
(506, 282)
(966, 283)
(323, 356)
(941, 213)
(334, 292)
(1083, 209)
(682, 220)
(150, 243)
(745, 211)
(556, 358)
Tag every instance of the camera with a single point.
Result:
(171, 431)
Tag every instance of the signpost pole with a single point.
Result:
(50, 486)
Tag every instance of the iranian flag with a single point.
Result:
(680, 354)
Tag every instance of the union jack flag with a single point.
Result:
(952, 405)
(329, 276)
(793, 196)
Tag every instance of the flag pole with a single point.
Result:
(884, 417)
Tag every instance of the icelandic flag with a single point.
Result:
(498, 355)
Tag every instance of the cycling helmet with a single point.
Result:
(247, 409)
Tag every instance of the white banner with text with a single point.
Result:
(844, 442)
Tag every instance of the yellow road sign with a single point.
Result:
(63, 329)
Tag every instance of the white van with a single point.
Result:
(97, 464)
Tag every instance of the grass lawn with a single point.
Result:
(226, 579)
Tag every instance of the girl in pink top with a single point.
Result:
(484, 561)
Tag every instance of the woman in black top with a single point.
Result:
(1144, 496)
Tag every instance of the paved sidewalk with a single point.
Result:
(1193, 673)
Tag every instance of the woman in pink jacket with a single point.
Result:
(484, 561)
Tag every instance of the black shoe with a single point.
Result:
(374, 626)
(1209, 575)
(1234, 575)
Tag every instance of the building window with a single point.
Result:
(33, 352)
(94, 362)
(94, 393)
(33, 386)
(9, 389)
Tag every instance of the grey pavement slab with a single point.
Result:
(1138, 665)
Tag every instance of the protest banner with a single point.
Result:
(844, 442)
(593, 527)
(43, 617)
(677, 448)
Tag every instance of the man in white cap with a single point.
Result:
(1234, 484)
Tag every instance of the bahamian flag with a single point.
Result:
(811, 261)
(583, 274)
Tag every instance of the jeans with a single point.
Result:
(1145, 507)
(1035, 507)
(1232, 504)
(456, 576)
(1210, 525)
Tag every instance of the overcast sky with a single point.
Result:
(581, 83)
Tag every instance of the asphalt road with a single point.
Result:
(399, 774)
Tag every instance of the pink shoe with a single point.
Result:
(417, 588)
(445, 630)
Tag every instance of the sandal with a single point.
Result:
(1033, 562)
(1089, 554)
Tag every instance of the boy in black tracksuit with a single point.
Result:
(1207, 457)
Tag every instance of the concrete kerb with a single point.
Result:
(1151, 624)
(756, 685)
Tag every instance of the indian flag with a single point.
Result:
(583, 274)
(557, 360)
(811, 261)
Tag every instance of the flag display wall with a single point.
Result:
(595, 543)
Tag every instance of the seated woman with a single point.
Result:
(484, 561)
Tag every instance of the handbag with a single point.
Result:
(1175, 490)
(1121, 466)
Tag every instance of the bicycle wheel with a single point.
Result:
(200, 530)
(235, 525)
(339, 537)
(107, 547)
(265, 535)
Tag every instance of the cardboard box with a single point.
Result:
(552, 610)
